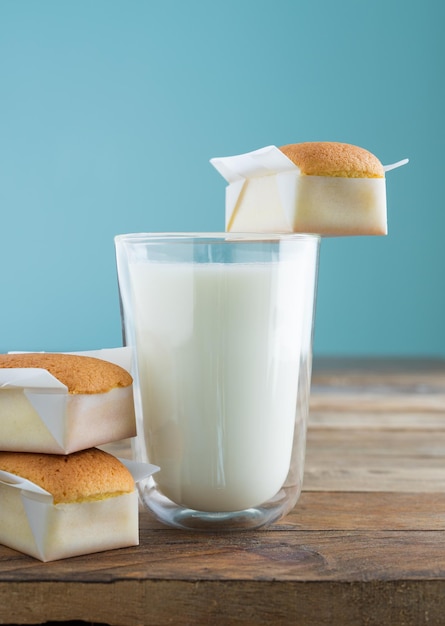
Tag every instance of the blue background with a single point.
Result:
(111, 109)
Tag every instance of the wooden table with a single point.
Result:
(364, 545)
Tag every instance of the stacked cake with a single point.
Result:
(60, 495)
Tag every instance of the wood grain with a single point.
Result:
(364, 545)
(183, 578)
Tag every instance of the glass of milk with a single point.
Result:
(221, 328)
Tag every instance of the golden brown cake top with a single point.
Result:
(329, 158)
(81, 374)
(78, 477)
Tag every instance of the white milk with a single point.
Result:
(218, 348)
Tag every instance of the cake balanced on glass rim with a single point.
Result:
(221, 328)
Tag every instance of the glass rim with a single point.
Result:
(213, 237)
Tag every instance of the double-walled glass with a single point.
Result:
(221, 327)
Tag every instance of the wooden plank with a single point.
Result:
(370, 511)
(393, 445)
(330, 510)
(216, 578)
(375, 460)
(238, 603)
(355, 399)
(401, 385)
(326, 537)
(279, 555)
(381, 420)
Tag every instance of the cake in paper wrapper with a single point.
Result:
(326, 188)
(61, 403)
(88, 503)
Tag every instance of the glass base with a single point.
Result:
(172, 514)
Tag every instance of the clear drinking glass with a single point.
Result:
(221, 328)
